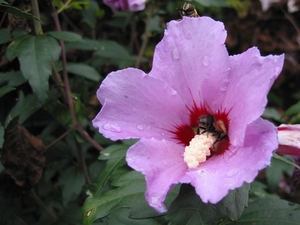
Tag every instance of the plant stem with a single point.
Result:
(58, 139)
(146, 37)
(87, 137)
(65, 73)
(83, 164)
(36, 12)
(37, 199)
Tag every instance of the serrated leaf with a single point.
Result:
(115, 156)
(269, 212)
(17, 12)
(131, 194)
(120, 217)
(84, 70)
(35, 55)
(66, 36)
(24, 108)
(12, 79)
(189, 209)
(4, 90)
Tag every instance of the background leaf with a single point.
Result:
(269, 212)
(35, 55)
(84, 70)
(24, 108)
(66, 36)
(5, 90)
(189, 209)
(12, 79)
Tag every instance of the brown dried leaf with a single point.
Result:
(23, 157)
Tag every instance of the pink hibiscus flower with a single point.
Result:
(131, 5)
(197, 113)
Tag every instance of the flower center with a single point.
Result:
(198, 149)
(206, 135)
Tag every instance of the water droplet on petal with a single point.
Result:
(175, 54)
(224, 88)
(112, 127)
(173, 92)
(140, 127)
(205, 61)
(231, 172)
(201, 172)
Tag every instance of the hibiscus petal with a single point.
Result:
(193, 60)
(214, 178)
(251, 78)
(162, 164)
(136, 105)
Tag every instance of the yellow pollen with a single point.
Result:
(198, 149)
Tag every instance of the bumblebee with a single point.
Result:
(208, 123)
(188, 10)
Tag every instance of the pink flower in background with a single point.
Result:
(123, 5)
(289, 144)
(193, 81)
(289, 140)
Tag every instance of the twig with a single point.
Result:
(65, 73)
(87, 137)
(36, 12)
(83, 164)
(58, 81)
(292, 21)
(37, 199)
(58, 139)
(146, 37)
(75, 123)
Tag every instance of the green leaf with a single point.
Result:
(115, 156)
(4, 90)
(86, 45)
(189, 209)
(272, 113)
(3, 2)
(61, 112)
(17, 12)
(72, 179)
(112, 50)
(1, 136)
(130, 193)
(12, 79)
(292, 110)
(269, 212)
(84, 70)
(66, 36)
(274, 173)
(258, 191)
(208, 3)
(120, 217)
(24, 108)
(35, 55)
